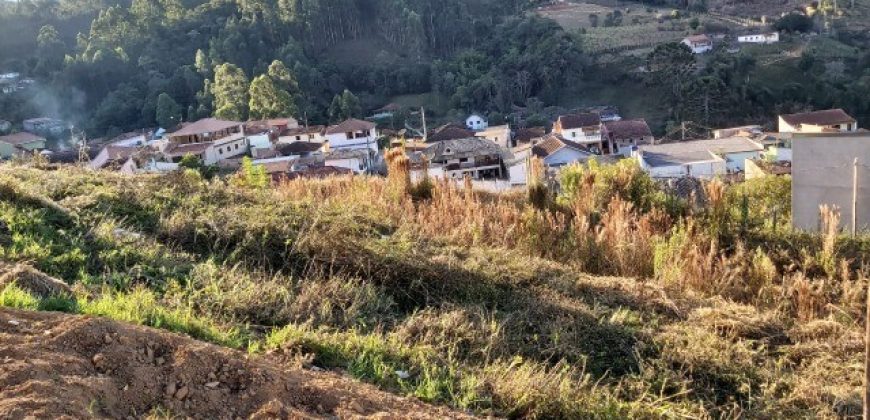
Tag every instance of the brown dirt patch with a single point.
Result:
(33, 281)
(55, 365)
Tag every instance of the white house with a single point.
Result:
(699, 44)
(827, 121)
(209, 139)
(314, 134)
(699, 158)
(622, 137)
(767, 38)
(476, 122)
(475, 156)
(584, 129)
(357, 160)
(353, 134)
(554, 150)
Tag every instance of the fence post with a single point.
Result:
(867, 359)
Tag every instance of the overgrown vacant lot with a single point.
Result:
(459, 298)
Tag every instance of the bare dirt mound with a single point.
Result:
(55, 365)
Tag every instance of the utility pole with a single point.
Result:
(683, 130)
(425, 131)
(855, 200)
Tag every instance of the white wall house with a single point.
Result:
(827, 121)
(698, 159)
(554, 152)
(228, 147)
(352, 134)
(476, 122)
(358, 161)
(699, 44)
(768, 38)
(583, 128)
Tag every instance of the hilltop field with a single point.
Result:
(615, 299)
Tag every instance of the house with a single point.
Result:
(352, 134)
(475, 156)
(299, 148)
(209, 139)
(500, 135)
(699, 44)
(698, 158)
(449, 132)
(14, 144)
(315, 172)
(113, 155)
(745, 130)
(476, 122)
(827, 121)
(623, 136)
(357, 160)
(584, 128)
(825, 173)
(314, 134)
(529, 135)
(553, 150)
(765, 38)
(281, 124)
(5, 126)
(206, 130)
(44, 126)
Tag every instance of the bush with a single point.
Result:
(794, 22)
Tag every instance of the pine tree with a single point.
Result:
(230, 90)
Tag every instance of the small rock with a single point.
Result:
(356, 407)
(98, 359)
(159, 361)
(317, 368)
(402, 374)
(211, 376)
(213, 384)
(182, 392)
(126, 387)
(170, 389)
(46, 332)
(107, 339)
(14, 322)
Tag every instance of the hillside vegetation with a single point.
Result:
(615, 299)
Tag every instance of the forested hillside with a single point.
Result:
(113, 72)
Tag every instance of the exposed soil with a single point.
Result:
(55, 365)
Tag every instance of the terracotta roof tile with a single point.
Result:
(21, 138)
(825, 117)
(205, 125)
(350, 125)
(571, 121)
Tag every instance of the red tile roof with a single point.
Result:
(552, 143)
(627, 129)
(571, 121)
(350, 125)
(205, 125)
(825, 117)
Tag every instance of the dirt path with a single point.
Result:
(55, 365)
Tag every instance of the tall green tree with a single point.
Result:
(345, 106)
(670, 66)
(230, 90)
(268, 100)
(168, 111)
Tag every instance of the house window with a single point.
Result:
(237, 147)
(349, 135)
(298, 138)
(311, 137)
(220, 150)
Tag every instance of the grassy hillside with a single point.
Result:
(594, 307)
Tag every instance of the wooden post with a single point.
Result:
(855, 198)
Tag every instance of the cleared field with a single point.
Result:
(631, 39)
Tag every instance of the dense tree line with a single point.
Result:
(145, 62)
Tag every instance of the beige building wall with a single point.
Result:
(822, 173)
